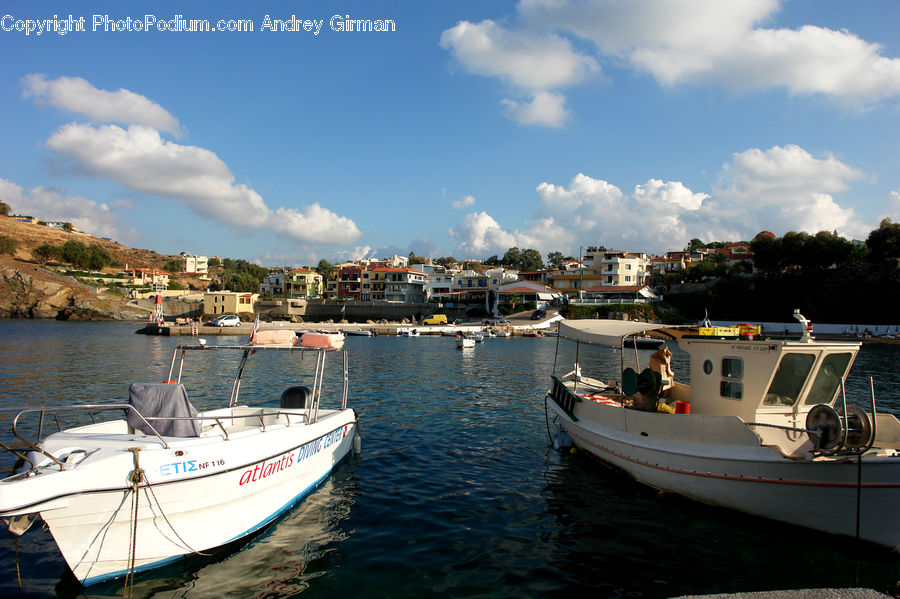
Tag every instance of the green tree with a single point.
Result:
(213, 262)
(555, 258)
(8, 245)
(694, 244)
(513, 299)
(531, 260)
(45, 252)
(768, 255)
(512, 258)
(75, 253)
(492, 261)
(67, 227)
(97, 257)
(176, 265)
(324, 268)
(884, 242)
(4, 209)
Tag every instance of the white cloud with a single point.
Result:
(53, 205)
(544, 108)
(357, 253)
(891, 208)
(139, 158)
(464, 202)
(195, 177)
(77, 95)
(525, 59)
(789, 187)
(780, 189)
(676, 41)
(480, 235)
(533, 63)
(314, 224)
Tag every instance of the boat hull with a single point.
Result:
(195, 495)
(819, 494)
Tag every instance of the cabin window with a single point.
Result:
(731, 389)
(828, 379)
(732, 369)
(793, 370)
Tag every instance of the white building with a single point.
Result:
(273, 284)
(197, 265)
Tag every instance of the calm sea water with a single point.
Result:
(457, 492)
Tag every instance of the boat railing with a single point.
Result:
(564, 397)
(247, 350)
(219, 421)
(27, 444)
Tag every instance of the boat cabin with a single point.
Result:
(763, 380)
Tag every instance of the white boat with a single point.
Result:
(502, 333)
(164, 482)
(463, 342)
(357, 332)
(764, 427)
(408, 332)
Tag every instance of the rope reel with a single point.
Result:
(830, 432)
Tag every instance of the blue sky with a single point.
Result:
(470, 128)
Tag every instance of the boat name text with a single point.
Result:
(293, 457)
(187, 466)
(756, 348)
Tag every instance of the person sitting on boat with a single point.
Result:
(661, 362)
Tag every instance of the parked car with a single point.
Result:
(435, 319)
(538, 314)
(495, 321)
(226, 320)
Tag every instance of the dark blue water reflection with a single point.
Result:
(457, 491)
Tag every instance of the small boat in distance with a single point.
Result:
(463, 342)
(643, 342)
(358, 332)
(167, 481)
(764, 427)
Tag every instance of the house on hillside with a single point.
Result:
(228, 302)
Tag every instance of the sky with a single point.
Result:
(285, 134)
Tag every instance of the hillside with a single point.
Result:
(28, 290)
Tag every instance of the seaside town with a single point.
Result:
(398, 291)
(601, 276)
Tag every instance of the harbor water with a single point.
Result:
(457, 492)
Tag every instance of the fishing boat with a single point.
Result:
(764, 427)
(167, 481)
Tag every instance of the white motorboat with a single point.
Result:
(408, 332)
(463, 342)
(166, 481)
(764, 427)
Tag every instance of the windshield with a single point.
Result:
(828, 379)
(792, 373)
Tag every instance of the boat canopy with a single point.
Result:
(604, 332)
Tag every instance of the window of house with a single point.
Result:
(793, 370)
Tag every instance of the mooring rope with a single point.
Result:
(137, 478)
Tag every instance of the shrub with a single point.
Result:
(8, 245)
(45, 252)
